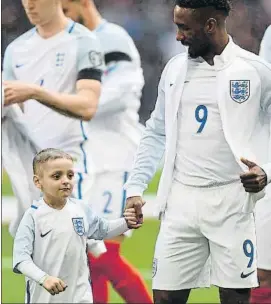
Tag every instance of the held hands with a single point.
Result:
(54, 285)
(133, 212)
(255, 179)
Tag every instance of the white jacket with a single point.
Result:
(245, 114)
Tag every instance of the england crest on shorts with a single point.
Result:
(78, 225)
(154, 267)
(240, 90)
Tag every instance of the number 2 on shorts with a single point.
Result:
(249, 251)
(109, 199)
(201, 115)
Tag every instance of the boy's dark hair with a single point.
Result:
(48, 154)
(220, 5)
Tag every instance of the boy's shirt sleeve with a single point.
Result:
(24, 240)
(23, 249)
(100, 228)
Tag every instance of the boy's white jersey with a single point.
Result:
(56, 242)
(55, 63)
(115, 130)
(265, 49)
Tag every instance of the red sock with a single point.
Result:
(260, 296)
(125, 279)
(98, 281)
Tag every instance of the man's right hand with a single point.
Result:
(137, 203)
(54, 285)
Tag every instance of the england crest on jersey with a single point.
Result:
(240, 90)
(78, 225)
(60, 57)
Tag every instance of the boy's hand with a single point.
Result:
(54, 285)
(137, 203)
(130, 217)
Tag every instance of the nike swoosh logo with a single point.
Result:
(171, 84)
(18, 65)
(43, 235)
(243, 276)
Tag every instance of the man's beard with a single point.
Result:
(199, 51)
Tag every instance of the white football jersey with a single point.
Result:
(265, 49)
(203, 154)
(56, 242)
(115, 130)
(55, 63)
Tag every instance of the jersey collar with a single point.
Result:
(100, 26)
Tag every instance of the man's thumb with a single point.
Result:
(248, 163)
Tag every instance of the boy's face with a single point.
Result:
(55, 178)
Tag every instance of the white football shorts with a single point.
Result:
(207, 236)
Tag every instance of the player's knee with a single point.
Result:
(264, 277)
(170, 297)
(234, 296)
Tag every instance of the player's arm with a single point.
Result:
(90, 65)
(22, 257)
(151, 147)
(83, 103)
(122, 76)
(100, 228)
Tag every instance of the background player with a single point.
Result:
(50, 244)
(55, 70)
(206, 205)
(114, 133)
(263, 217)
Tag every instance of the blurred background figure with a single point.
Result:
(114, 134)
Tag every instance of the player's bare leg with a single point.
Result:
(171, 297)
(262, 294)
(234, 296)
(264, 278)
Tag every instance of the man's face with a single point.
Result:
(191, 32)
(55, 178)
(73, 9)
(40, 12)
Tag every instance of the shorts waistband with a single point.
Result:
(211, 185)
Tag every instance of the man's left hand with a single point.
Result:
(255, 179)
(16, 91)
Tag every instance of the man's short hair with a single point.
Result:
(46, 155)
(220, 5)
